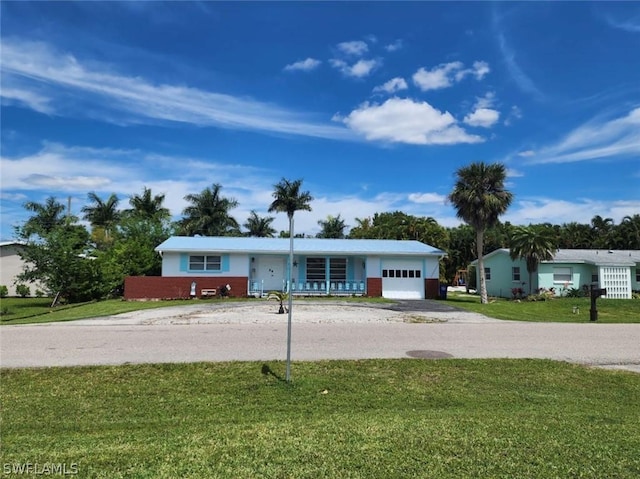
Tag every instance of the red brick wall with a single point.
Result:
(374, 287)
(431, 288)
(158, 287)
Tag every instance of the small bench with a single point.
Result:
(208, 292)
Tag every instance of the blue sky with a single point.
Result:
(373, 104)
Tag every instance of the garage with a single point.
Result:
(402, 279)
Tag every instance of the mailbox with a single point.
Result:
(595, 294)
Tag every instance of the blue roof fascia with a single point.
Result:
(301, 245)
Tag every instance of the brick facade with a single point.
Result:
(179, 287)
(431, 288)
(374, 287)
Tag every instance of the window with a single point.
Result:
(418, 273)
(595, 279)
(385, 273)
(515, 273)
(487, 274)
(638, 275)
(316, 269)
(562, 275)
(205, 263)
(338, 269)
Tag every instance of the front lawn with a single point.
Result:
(357, 419)
(555, 310)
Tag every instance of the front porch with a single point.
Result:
(312, 288)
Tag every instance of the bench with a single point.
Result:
(208, 292)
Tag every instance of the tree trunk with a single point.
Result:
(289, 276)
(483, 284)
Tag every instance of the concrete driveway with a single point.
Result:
(418, 329)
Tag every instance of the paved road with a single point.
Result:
(69, 344)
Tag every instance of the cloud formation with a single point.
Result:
(43, 82)
(483, 115)
(355, 48)
(446, 75)
(303, 65)
(407, 121)
(392, 86)
(359, 69)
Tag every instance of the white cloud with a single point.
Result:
(394, 46)
(355, 48)
(446, 74)
(392, 86)
(522, 80)
(406, 121)
(360, 69)
(128, 99)
(527, 153)
(514, 114)
(30, 99)
(438, 77)
(303, 65)
(482, 117)
(427, 198)
(596, 140)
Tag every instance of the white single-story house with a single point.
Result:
(195, 266)
(618, 271)
(11, 265)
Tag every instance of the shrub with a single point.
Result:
(4, 291)
(23, 290)
(574, 293)
(39, 293)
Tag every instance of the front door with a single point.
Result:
(272, 272)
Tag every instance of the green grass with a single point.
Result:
(338, 419)
(556, 310)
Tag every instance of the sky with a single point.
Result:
(374, 105)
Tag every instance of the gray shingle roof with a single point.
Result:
(301, 245)
(597, 256)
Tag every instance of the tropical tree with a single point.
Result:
(533, 244)
(103, 217)
(208, 214)
(332, 227)
(601, 229)
(288, 199)
(259, 226)
(48, 216)
(479, 197)
(147, 205)
(575, 236)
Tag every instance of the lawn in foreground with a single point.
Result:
(356, 419)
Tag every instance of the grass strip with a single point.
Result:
(338, 419)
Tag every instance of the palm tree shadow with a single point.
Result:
(267, 371)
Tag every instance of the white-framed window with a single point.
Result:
(487, 274)
(205, 263)
(515, 274)
(562, 275)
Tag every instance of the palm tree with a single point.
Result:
(601, 229)
(103, 215)
(289, 199)
(479, 197)
(148, 206)
(259, 226)
(47, 217)
(332, 227)
(208, 214)
(533, 244)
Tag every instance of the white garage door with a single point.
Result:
(402, 280)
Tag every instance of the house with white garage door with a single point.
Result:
(200, 266)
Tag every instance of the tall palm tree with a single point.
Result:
(103, 215)
(259, 226)
(208, 214)
(332, 227)
(601, 229)
(288, 199)
(479, 197)
(533, 244)
(48, 216)
(148, 206)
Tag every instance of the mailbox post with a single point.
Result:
(595, 294)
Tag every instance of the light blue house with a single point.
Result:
(616, 270)
(253, 266)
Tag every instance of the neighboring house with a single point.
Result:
(254, 266)
(618, 271)
(11, 265)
